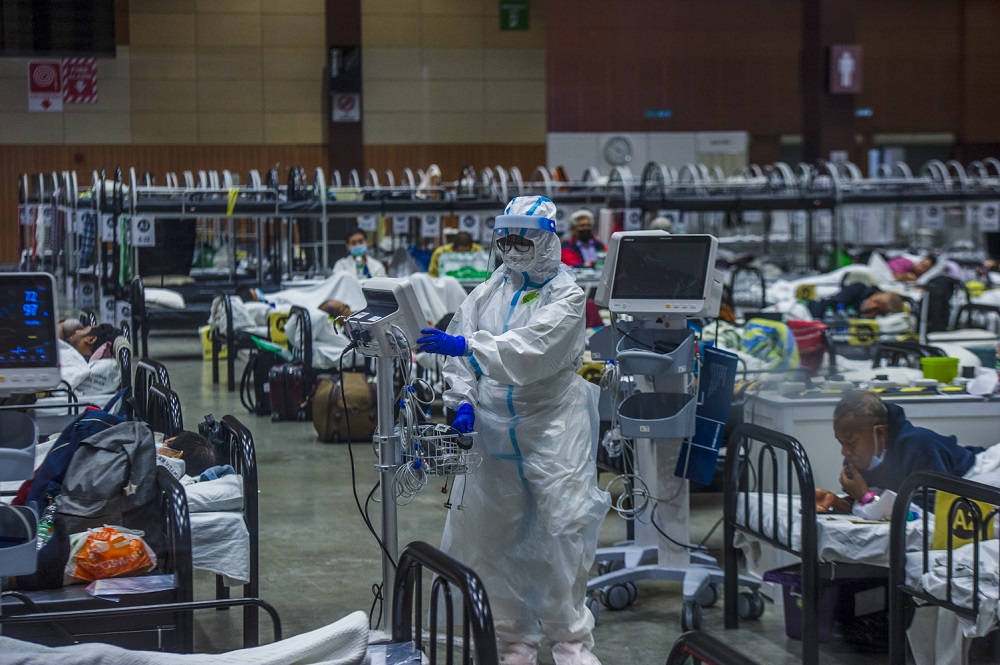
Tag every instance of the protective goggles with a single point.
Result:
(515, 243)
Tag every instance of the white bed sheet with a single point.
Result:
(220, 543)
(935, 582)
(840, 538)
(342, 643)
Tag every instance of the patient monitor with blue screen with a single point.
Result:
(653, 272)
(29, 360)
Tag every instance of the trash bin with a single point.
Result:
(854, 602)
(790, 578)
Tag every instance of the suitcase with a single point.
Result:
(255, 384)
(328, 415)
(289, 393)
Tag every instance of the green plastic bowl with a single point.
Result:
(940, 369)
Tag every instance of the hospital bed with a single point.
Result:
(145, 318)
(224, 513)
(962, 579)
(28, 615)
(345, 642)
(770, 500)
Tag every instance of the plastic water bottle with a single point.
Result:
(841, 319)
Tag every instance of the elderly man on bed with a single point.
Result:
(881, 448)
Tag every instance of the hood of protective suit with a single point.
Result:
(532, 217)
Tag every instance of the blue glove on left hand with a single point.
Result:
(441, 342)
(465, 418)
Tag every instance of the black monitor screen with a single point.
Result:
(662, 268)
(27, 322)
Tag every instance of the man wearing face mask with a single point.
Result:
(580, 251)
(527, 520)
(359, 263)
(881, 448)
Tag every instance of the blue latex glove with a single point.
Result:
(441, 343)
(465, 418)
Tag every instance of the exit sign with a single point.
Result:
(513, 14)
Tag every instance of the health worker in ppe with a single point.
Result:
(530, 514)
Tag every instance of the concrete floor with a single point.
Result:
(318, 562)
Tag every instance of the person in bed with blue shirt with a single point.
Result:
(881, 448)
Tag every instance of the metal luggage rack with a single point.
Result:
(284, 221)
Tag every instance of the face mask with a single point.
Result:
(519, 261)
(585, 235)
(358, 250)
(879, 458)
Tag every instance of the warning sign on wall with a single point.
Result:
(346, 107)
(44, 86)
(79, 80)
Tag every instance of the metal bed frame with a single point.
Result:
(478, 640)
(147, 372)
(737, 483)
(239, 451)
(699, 647)
(922, 484)
(794, 467)
(163, 411)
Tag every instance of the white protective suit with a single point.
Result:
(531, 513)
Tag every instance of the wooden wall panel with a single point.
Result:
(982, 73)
(930, 66)
(913, 65)
(716, 64)
(158, 159)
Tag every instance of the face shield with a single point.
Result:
(525, 237)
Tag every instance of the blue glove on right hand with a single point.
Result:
(465, 418)
(440, 342)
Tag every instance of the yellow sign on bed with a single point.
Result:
(962, 525)
(276, 326)
(206, 344)
(863, 332)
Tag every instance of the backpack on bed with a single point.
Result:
(102, 471)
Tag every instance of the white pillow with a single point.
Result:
(221, 494)
(164, 298)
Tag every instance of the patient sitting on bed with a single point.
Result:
(881, 448)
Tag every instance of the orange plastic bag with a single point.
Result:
(109, 551)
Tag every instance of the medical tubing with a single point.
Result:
(652, 520)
